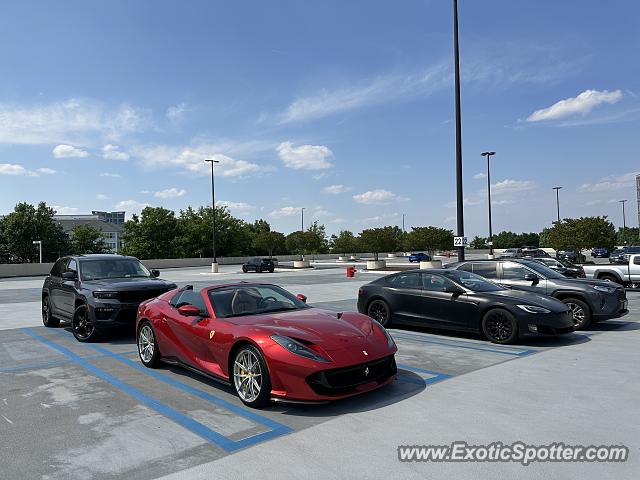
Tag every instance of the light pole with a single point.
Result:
(302, 220)
(403, 223)
(488, 155)
(624, 217)
(557, 189)
(39, 243)
(459, 197)
(214, 265)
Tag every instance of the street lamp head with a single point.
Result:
(557, 188)
(487, 154)
(622, 201)
(214, 161)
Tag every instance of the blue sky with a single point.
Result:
(344, 108)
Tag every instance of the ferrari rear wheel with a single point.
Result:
(380, 312)
(251, 377)
(148, 346)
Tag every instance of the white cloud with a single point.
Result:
(468, 202)
(69, 151)
(336, 189)
(378, 197)
(320, 176)
(238, 207)
(172, 192)
(175, 113)
(378, 219)
(580, 105)
(512, 186)
(479, 176)
(60, 210)
(131, 206)
(305, 157)
(73, 121)
(111, 175)
(611, 183)
(338, 220)
(101, 196)
(113, 152)
(16, 169)
(193, 159)
(286, 212)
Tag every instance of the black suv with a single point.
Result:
(588, 299)
(98, 292)
(571, 255)
(259, 265)
(622, 255)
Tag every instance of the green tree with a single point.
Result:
(506, 240)
(345, 242)
(296, 243)
(28, 223)
(430, 239)
(628, 236)
(154, 234)
(478, 242)
(86, 239)
(581, 233)
(269, 242)
(385, 239)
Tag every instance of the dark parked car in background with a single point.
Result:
(589, 300)
(622, 255)
(571, 255)
(564, 267)
(533, 252)
(600, 252)
(419, 257)
(459, 300)
(259, 265)
(98, 292)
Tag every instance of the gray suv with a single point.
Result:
(98, 292)
(589, 300)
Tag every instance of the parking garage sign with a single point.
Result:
(460, 241)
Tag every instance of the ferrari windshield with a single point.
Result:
(112, 268)
(244, 300)
(472, 281)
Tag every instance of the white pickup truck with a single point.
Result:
(626, 275)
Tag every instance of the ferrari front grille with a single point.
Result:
(341, 380)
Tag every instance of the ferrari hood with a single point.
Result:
(320, 327)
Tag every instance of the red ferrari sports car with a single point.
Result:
(267, 343)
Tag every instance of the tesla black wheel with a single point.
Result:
(82, 326)
(580, 311)
(251, 377)
(244, 269)
(500, 326)
(380, 312)
(47, 317)
(147, 345)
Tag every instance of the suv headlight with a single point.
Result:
(390, 342)
(602, 288)
(105, 295)
(298, 348)
(533, 309)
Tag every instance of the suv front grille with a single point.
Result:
(340, 380)
(138, 296)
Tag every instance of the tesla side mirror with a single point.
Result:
(155, 273)
(532, 277)
(453, 290)
(301, 297)
(189, 311)
(69, 275)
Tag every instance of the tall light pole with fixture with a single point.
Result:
(488, 155)
(403, 223)
(459, 196)
(39, 243)
(624, 217)
(557, 189)
(302, 219)
(214, 265)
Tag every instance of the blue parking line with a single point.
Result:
(52, 363)
(437, 376)
(522, 353)
(178, 417)
(276, 427)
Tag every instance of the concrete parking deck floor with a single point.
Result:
(71, 410)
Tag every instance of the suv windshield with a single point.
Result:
(543, 270)
(252, 300)
(112, 268)
(472, 281)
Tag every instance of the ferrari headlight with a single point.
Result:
(604, 289)
(298, 348)
(390, 342)
(105, 295)
(533, 309)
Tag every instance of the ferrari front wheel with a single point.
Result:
(148, 346)
(251, 377)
